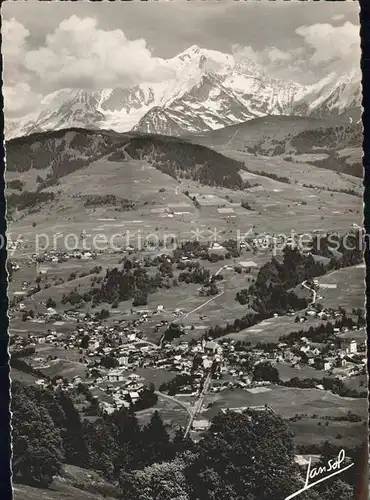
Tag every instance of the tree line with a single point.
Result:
(244, 456)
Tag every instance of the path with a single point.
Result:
(184, 316)
(201, 306)
(314, 293)
(231, 140)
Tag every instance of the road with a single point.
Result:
(177, 401)
(314, 293)
(184, 316)
(201, 306)
(198, 404)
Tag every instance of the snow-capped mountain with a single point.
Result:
(209, 90)
(330, 96)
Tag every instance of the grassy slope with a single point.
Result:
(338, 138)
(73, 483)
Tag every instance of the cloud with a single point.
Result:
(77, 54)
(275, 55)
(273, 61)
(324, 49)
(13, 47)
(265, 57)
(20, 98)
(329, 43)
(338, 17)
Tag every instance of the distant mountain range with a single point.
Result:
(209, 90)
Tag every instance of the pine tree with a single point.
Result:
(128, 438)
(180, 443)
(74, 442)
(156, 441)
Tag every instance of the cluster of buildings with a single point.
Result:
(112, 397)
(59, 256)
(109, 353)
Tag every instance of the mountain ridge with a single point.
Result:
(209, 90)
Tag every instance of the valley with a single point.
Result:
(122, 206)
(185, 266)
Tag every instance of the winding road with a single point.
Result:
(314, 293)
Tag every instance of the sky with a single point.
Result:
(52, 45)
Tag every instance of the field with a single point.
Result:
(63, 368)
(163, 209)
(286, 372)
(314, 431)
(56, 492)
(156, 377)
(173, 415)
(183, 210)
(299, 172)
(289, 402)
(20, 376)
(270, 330)
(275, 207)
(73, 483)
(350, 290)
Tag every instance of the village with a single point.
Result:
(112, 356)
(134, 355)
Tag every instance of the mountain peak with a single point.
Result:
(194, 49)
(210, 89)
(193, 52)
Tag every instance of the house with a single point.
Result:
(310, 359)
(327, 365)
(134, 396)
(201, 425)
(107, 408)
(310, 312)
(248, 265)
(116, 375)
(323, 364)
(123, 361)
(207, 363)
(302, 461)
(349, 346)
(41, 382)
(287, 355)
(216, 249)
(120, 403)
(340, 362)
(212, 347)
